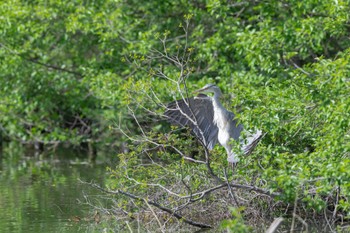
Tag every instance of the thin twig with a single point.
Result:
(336, 202)
(302, 221)
(274, 225)
(230, 189)
(301, 69)
(154, 214)
(294, 213)
(127, 223)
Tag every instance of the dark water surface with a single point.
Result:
(42, 193)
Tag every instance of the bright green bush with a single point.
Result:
(283, 66)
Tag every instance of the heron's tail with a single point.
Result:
(252, 141)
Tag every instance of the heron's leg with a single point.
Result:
(233, 167)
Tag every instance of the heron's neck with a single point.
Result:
(216, 100)
(219, 111)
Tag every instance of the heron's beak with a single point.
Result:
(199, 90)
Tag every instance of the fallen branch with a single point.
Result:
(155, 204)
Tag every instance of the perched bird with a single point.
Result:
(211, 122)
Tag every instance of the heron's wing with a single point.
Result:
(234, 128)
(196, 113)
(251, 142)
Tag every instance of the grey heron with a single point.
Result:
(211, 122)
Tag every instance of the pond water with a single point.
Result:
(42, 193)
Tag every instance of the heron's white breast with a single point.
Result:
(223, 137)
(220, 118)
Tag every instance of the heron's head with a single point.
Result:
(209, 88)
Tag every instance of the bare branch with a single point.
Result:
(54, 67)
(274, 225)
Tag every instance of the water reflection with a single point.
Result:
(40, 193)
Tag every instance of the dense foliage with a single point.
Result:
(70, 69)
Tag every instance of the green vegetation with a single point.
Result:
(102, 72)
